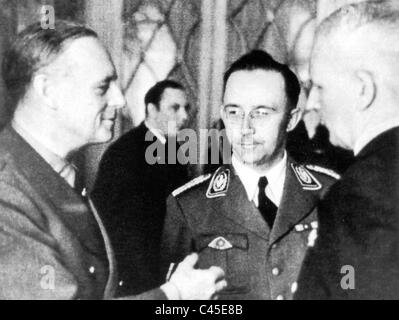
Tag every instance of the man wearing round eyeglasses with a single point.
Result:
(255, 217)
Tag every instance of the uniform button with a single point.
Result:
(274, 246)
(280, 297)
(275, 271)
(120, 283)
(92, 269)
(84, 192)
(294, 287)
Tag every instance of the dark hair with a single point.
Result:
(258, 59)
(35, 48)
(154, 95)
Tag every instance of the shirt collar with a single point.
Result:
(275, 176)
(372, 133)
(156, 132)
(55, 161)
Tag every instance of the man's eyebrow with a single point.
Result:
(232, 105)
(266, 107)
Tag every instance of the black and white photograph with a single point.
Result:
(213, 150)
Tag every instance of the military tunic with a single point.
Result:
(212, 215)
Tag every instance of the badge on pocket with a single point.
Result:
(220, 243)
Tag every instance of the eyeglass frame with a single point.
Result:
(252, 118)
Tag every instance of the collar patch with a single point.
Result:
(219, 184)
(305, 178)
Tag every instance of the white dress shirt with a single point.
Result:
(250, 178)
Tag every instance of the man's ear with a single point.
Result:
(44, 90)
(152, 110)
(294, 117)
(368, 89)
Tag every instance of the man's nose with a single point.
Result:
(117, 99)
(247, 125)
(313, 102)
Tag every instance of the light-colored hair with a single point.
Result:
(384, 15)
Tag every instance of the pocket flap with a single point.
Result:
(223, 241)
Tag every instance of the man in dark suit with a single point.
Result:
(256, 217)
(355, 74)
(131, 187)
(53, 244)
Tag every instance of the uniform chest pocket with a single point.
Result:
(230, 252)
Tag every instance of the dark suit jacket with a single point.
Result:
(227, 230)
(359, 228)
(131, 197)
(52, 246)
(317, 150)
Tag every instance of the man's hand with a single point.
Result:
(188, 283)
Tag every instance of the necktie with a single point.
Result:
(266, 207)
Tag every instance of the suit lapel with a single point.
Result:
(68, 205)
(295, 205)
(236, 207)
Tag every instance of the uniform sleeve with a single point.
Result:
(176, 237)
(31, 267)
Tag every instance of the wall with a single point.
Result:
(191, 41)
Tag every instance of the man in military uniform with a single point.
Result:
(256, 217)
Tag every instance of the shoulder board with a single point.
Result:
(191, 184)
(326, 171)
(219, 184)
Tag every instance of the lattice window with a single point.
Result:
(265, 24)
(161, 40)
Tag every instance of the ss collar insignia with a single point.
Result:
(219, 183)
(305, 178)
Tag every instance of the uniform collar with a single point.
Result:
(57, 163)
(275, 176)
(156, 132)
(372, 133)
